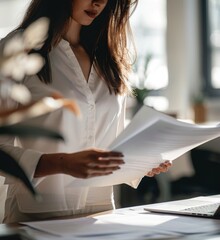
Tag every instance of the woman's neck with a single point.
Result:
(73, 34)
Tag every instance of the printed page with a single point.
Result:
(150, 139)
(132, 223)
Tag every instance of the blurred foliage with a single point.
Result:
(17, 60)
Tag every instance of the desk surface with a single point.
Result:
(126, 223)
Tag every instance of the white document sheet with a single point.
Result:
(151, 138)
(127, 224)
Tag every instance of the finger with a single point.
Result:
(103, 162)
(168, 163)
(150, 174)
(156, 170)
(98, 174)
(163, 167)
(99, 169)
(110, 154)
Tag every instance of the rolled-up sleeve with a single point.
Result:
(27, 159)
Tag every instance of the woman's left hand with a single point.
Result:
(163, 167)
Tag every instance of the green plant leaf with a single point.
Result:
(29, 131)
(11, 167)
(141, 94)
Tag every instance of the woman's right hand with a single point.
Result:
(92, 163)
(84, 164)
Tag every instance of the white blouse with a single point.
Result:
(101, 121)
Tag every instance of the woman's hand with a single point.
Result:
(163, 167)
(92, 163)
(84, 164)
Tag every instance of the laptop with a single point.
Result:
(203, 206)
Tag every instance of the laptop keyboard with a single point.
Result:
(209, 208)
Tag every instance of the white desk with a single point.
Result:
(127, 223)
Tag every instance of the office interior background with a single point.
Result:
(177, 68)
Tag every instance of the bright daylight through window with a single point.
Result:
(214, 19)
(150, 70)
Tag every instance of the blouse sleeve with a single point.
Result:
(27, 158)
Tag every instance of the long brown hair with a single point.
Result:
(107, 45)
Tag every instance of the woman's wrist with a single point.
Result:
(51, 163)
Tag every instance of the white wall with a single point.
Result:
(183, 50)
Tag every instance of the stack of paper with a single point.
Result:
(151, 138)
(126, 224)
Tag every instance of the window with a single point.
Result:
(211, 46)
(148, 24)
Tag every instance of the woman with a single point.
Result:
(86, 59)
